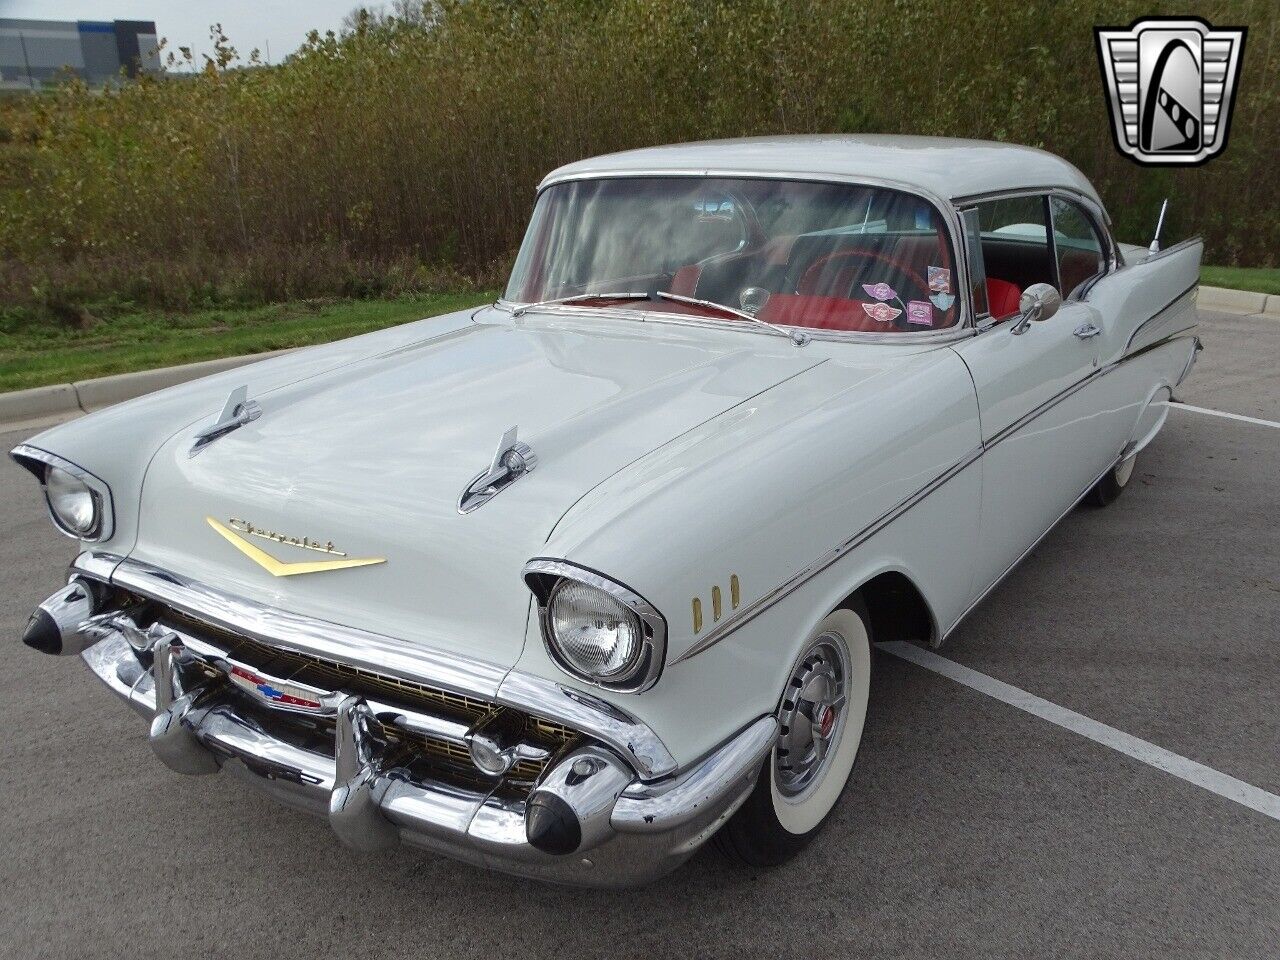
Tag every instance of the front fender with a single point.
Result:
(748, 530)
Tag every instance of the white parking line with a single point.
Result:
(1222, 413)
(1171, 763)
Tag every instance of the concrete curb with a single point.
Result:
(67, 400)
(1239, 301)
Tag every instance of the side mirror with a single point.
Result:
(1040, 301)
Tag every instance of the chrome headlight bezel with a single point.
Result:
(39, 462)
(545, 576)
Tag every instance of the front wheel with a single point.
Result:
(821, 715)
(1112, 484)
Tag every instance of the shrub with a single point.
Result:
(405, 152)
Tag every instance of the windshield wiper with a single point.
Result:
(577, 297)
(798, 337)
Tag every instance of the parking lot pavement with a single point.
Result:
(1237, 371)
(970, 827)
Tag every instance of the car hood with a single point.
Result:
(371, 458)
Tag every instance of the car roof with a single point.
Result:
(945, 167)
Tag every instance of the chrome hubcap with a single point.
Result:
(811, 717)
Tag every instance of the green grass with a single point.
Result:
(34, 354)
(1257, 279)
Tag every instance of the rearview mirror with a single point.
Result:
(1040, 301)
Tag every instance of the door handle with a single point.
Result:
(1087, 330)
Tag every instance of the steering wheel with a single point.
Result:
(814, 270)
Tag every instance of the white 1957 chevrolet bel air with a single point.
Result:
(567, 585)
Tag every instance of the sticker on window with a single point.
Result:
(881, 311)
(881, 291)
(920, 312)
(943, 301)
(939, 280)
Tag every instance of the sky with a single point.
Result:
(279, 24)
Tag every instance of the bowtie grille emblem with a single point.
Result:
(1170, 87)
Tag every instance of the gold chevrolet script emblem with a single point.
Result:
(278, 568)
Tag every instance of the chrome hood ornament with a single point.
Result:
(236, 412)
(511, 461)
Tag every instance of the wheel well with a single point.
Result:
(896, 608)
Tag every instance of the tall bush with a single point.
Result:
(423, 139)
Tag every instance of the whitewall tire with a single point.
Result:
(821, 713)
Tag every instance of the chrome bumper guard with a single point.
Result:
(591, 819)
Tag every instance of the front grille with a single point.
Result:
(446, 757)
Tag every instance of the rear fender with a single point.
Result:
(1150, 300)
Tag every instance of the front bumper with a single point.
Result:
(591, 818)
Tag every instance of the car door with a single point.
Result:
(1042, 448)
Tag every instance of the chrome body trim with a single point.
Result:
(1047, 405)
(939, 338)
(26, 456)
(541, 574)
(1022, 556)
(729, 771)
(763, 603)
(1167, 251)
(633, 740)
(630, 832)
(1191, 361)
(758, 606)
(1191, 291)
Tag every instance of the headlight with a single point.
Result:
(79, 503)
(597, 629)
(593, 632)
(72, 502)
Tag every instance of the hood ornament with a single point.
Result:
(236, 412)
(511, 461)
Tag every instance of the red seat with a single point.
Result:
(1002, 298)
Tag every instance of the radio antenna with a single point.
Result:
(1155, 241)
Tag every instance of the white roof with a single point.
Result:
(945, 167)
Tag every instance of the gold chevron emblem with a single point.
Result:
(278, 568)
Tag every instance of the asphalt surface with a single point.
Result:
(970, 828)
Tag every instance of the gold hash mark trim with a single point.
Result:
(278, 568)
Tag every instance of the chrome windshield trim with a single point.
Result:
(944, 205)
(938, 337)
(840, 550)
(609, 724)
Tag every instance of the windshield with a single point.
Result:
(792, 253)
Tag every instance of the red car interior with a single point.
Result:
(1002, 297)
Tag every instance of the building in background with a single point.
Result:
(35, 53)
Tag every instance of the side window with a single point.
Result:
(1015, 249)
(1080, 251)
(977, 270)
